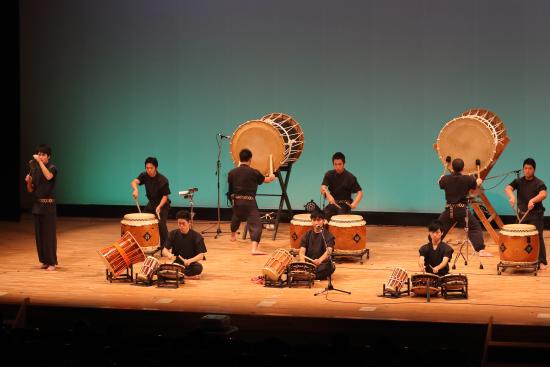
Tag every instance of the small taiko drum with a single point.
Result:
(454, 283)
(144, 227)
(148, 269)
(299, 225)
(519, 243)
(122, 254)
(171, 271)
(299, 272)
(398, 277)
(277, 264)
(349, 231)
(422, 284)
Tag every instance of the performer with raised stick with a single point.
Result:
(531, 191)
(243, 184)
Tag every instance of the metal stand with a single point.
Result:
(466, 243)
(128, 276)
(188, 194)
(329, 285)
(218, 230)
(283, 200)
(503, 265)
(396, 294)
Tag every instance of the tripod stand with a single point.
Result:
(329, 286)
(466, 243)
(218, 230)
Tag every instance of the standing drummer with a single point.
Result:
(338, 186)
(243, 184)
(435, 255)
(531, 192)
(157, 190)
(457, 186)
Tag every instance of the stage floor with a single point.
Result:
(226, 287)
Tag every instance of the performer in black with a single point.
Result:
(435, 255)
(338, 186)
(457, 187)
(41, 181)
(317, 244)
(531, 192)
(186, 246)
(243, 184)
(157, 190)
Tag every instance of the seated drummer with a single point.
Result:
(435, 255)
(186, 246)
(317, 244)
(338, 186)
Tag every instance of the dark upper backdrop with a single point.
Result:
(108, 83)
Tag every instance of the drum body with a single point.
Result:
(299, 225)
(476, 134)
(277, 135)
(519, 243)
(144, 227)
(301, 271)
(349, 231)
(122, 254)
(171, 271)
(453, 282)
(397, 278)
(421, 284)
(277, 264)
(148, 269)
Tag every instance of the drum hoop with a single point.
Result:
(354, 223)
(518, 233)
(139, 222)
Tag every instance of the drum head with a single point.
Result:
(261, 139)
(469, 138)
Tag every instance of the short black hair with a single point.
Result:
(245, 155)
(44, 148)
(153, 161)
(531, 162)
(317, 214)
(339, 155)
(458, 165)
(184, 214)
(435, 225)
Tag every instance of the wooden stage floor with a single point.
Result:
(513, 298)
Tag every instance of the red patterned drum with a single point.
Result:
(145, 229)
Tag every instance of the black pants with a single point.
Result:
(46, 238)
(247, 210)
(475, 234)
(537, 219)
(193, 269)
(324, 270)
(331, 210)
(163, 227)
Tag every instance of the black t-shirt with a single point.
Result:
(155, 187)
(315, 244)
(457, 187)
(43, 188)
(435, 257)
(341, 185)
(186, 245)
(528, 189)
(244, 180)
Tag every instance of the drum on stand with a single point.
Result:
(299, 225)
(148, 269)
(350, 233)
(424, 283)
(398, 278)
(122, 254)
(144, 227)
(301, 273)
(454, 286)
(518, 247)
(276, 265)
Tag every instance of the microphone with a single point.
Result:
(223, 136)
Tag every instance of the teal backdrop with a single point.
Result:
(108, 83)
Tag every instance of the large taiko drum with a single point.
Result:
(145, 229)
(519, 243)
(277, 264)
(299, 225)
(276, 136)
(122, 254)
(476, 134)
(349, 231)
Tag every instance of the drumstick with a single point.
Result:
(309, 258)
(137, 204)
(478, 164)
(270, 164)
(182, 259)
(446, 165)
(524, 215)
(517, 212)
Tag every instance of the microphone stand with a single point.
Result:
(329, 286)
(218, 230)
